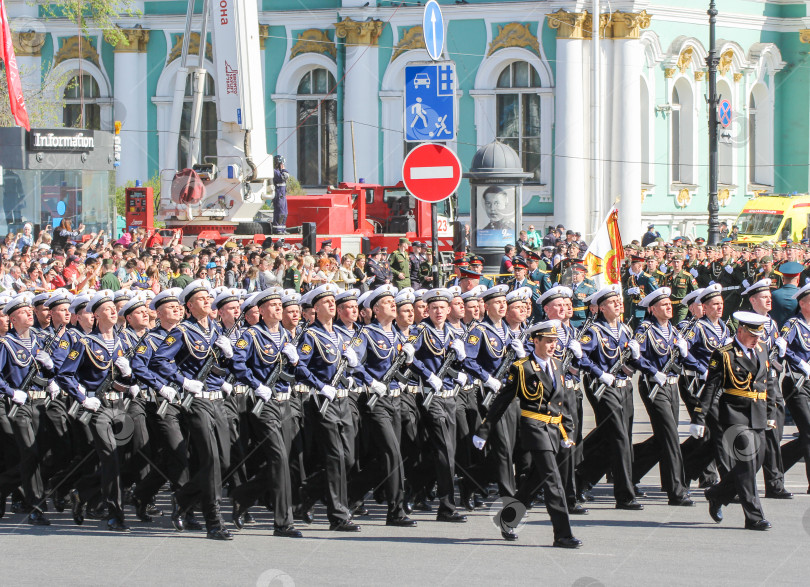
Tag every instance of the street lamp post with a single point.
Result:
(713, 99)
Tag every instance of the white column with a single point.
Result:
(626, 169)
(571, 161)
(361, 107)
(130, 100)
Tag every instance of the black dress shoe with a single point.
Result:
(422, 506)
(586, 495)
(569, 542)
(715, 508)
(577, 510)
(59, 504)
(98, 512)
(248, 519)
(509, 536)
(403, 522)
(681, 501)
(37, 518)
(117, 525)
(478, 501)
(779, 494)
(140, 510)
(76, 507)
(236, 515)
(408, 507)
(455, 517)
(154, 511)
(639, 491)
(219, 533)
(344, 526)
(191, 523)
(177, 516)
(760, 525)
(628, 505)
(468, 504)
(287, 532)
(359, 510)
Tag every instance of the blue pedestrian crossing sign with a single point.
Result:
(433, 30)
(724, 112)
(430, 102)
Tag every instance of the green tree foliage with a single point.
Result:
(98, 14)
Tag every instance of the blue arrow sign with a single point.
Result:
(430, 102)
(433, 29)
(724, 112)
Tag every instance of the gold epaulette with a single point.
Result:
(726, 347)
(521, 361)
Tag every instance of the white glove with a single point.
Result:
(193, 386)
(478, 442)
(566, 443)
(729, 340)
(52, 388)
(729, 269)
(683, 348)
(493, 384)
(697, 430)
(805, 367)
(633, 291)
(517, 345)
(607, 378)
(226, 388)
(458, 346)
(45, 360)
(377, 387)
(435, 382)
(82, 389)
(576, 348)
(91, 403)
(410, 351)
(19, 396)
(134, 390)
(694, 272)
(771, 424)
(328, 392)
(461, 379)
(635, 349)
(660, 378)
(292, 355)
(168, 392)
(782, 344)
(224, 344)
(266, 393)
(123, 365)
(351, 357)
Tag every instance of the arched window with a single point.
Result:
(518, 113)
(316, 116)
(208, 126)
(682, 134)
(81, 103)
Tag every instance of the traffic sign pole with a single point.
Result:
(434, 230)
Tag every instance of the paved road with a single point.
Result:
(660, 545)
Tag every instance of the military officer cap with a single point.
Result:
(193, 288)
(416, 244)
(137, 301)
(40, 299)
(520, 262)
(656, 296)
(467, 273)
(753, 323)
(678, 256)
(791, 268)
(350, 295)
(692, 297)
(4, 299)
(19, 301)
(306, 299)
(405, 297)
(455, 290)
(405, 290)
(404, 241)
(710, 291)
(226, 296)
(476, 260)
(420, 293)
(171, 294)
(79, 303)
(375, 251)
(534, 256)
(636, 258)
(271, 293)
(439, 294)
(249, 302)
(461, 262)
(700, 240)
(376, 295)
(363, 297)
(474, 294)
(521, 294)
(802, 291)
(291, 298)
(555, 293)
(548, 328)
(324, 291)
(579, 267)
(99, 300)
(496, 291)
(604, 294)
(757, 287)
(122, 294)
(58, 297)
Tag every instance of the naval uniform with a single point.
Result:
(796, 332)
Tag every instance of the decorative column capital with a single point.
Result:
(804, 35)
(365, 32)
(628, 25)
(569, 25)
(264, 33)
(28, 44)
(136, 41)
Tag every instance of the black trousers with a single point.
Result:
(467, 421)
(29, 436)
(9, 456)
(169, 450)
(741, 480)
(772, 467)
(274, 476)
(440, 422)
(799, 405)
(237, 414)
(209, 440)
(335, 441)
(567, 458)
(545, 475)
(138, 452)
(60, 447)
(297, 454)
(102, 430)
(698, 453)
(411, 442)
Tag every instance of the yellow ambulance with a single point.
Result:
(775, 218)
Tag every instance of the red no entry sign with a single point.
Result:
(431, 172)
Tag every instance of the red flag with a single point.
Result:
(15, 92)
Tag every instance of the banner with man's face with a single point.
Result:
(495, 216)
